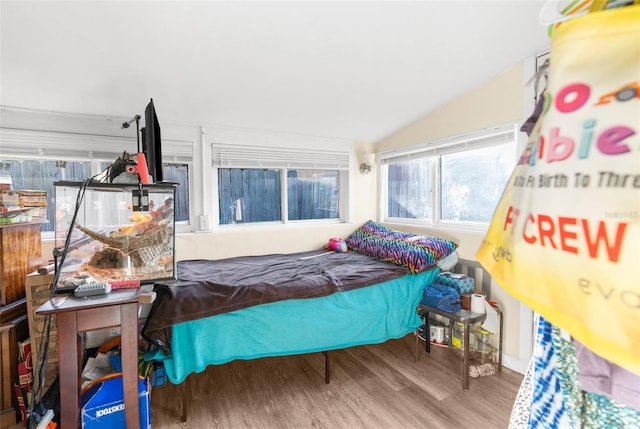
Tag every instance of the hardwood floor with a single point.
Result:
(374, 386)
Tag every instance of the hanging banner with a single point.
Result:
(565, 237)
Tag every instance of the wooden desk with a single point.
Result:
(76, 315)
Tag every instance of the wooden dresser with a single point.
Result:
(20, 254)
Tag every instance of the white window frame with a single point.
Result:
(54, 135)
(283, 156)
(25, 144)
(483, 138)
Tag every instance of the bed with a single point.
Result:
(283, 304)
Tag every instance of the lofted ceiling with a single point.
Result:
(354, 70)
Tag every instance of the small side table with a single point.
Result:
(467, 318)
(76, 315)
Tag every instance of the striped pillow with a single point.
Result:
(414, 251)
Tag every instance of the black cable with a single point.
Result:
(34, 417)
(67, 242)
(43, 350)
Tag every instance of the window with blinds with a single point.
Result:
(452, 181)
(279, 184)
(36, 159)
(58, 145)
(250, 156)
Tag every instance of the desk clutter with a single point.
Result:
(453, 292)
(444, 298)
(458, 281)
(38, 291)
(479, 349)
(459, 317)
(444, 332)
(18, 205)
(102, 402)
(77, 317)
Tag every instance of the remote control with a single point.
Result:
(91, 289)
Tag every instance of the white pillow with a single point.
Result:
(448, 262)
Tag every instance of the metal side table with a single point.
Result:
(467, 318)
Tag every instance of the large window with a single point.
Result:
(457, 181)
(255, 195)
(471, 182)
(35, 160)
(259, 184)
(35, 174)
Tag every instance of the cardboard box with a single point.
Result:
(37, 290)
(29, 198)
(10, 199)
(5, 183)
(38, 213)
(103, 405)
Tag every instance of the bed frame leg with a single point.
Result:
(184, 393)
(327, 367)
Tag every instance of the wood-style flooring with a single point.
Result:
(373, 386)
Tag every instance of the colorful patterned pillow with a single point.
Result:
(414, 251)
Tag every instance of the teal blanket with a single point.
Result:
(367, 315)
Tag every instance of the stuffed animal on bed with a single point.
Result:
(336, 244)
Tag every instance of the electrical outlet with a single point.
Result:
(204, 223)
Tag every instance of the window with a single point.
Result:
(249, 195)
(258, 184)
(313, 194)
(410, 191)
(456, 181)
(37, 159)
(472, 182)
(179, 174)
(37, 174)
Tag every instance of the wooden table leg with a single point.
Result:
(69, 368)
(129, 350)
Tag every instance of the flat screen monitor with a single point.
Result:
(152, 143)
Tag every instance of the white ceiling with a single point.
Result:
(356, 70)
